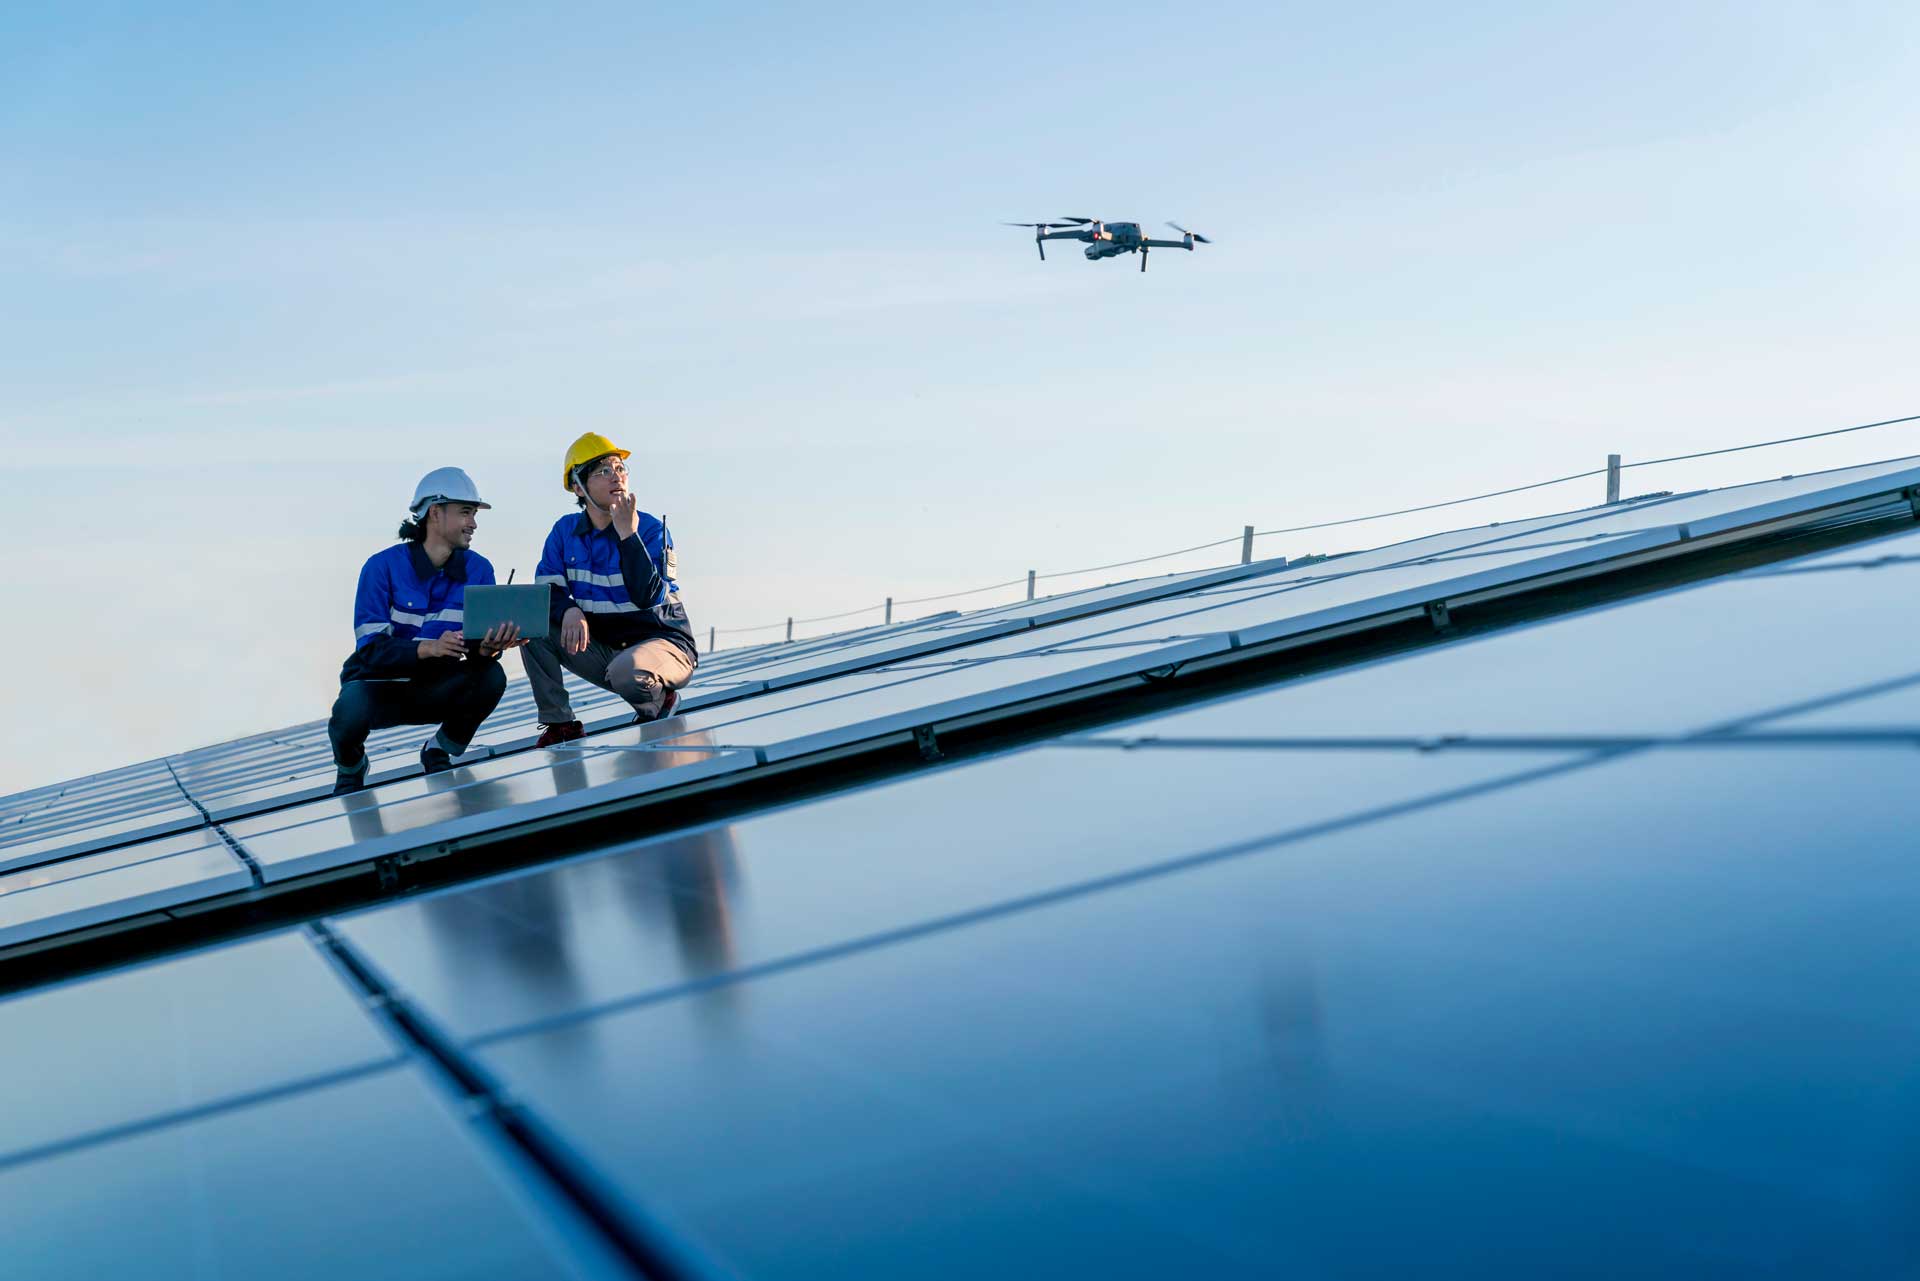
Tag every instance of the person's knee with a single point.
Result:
(643, 689)
(624, 675)
(541, 651)
(489, 682)
(351, 709)
(350, 721)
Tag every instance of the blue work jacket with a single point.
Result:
(404, 598)
(625, 587)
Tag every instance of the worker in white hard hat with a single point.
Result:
(617, 618)
(410, 665)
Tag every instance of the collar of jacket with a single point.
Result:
(583, 527)
(424, 568)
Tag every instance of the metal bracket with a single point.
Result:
(929, 745)
(1437, 615)
(387, 871)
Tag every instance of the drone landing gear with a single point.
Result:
(1143, 257)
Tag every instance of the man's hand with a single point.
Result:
(626, 515)
(573, 630)
(499, 639)
(445, 645)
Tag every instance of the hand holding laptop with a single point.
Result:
(489, 611)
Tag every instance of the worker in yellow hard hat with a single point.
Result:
(616, 601)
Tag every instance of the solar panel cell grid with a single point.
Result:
(365, 826)
(364, 1178)
(108, 895)
(866, 865)
(204, 1030)
(1681, 662)
(1614, 1022)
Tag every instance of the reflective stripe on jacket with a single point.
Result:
(403, 599)
(621, 585)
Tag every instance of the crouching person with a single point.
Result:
(616, 608)
(410, 665)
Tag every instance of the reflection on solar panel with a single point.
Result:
(1531, 898)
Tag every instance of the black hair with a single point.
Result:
(581, 473)
(413, 530)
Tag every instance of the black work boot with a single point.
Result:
(434, 759)
(349, 780)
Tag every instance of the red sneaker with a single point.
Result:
(561, 732)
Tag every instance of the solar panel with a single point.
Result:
(365, 1177)
(154, 1044)
(64, 903)
(325, 834)
(870, 865)
(1537, 1004)
(1472, 953)
(1683, 662)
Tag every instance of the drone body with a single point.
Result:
(1108, 239)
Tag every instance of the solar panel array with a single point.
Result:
(1578, 946)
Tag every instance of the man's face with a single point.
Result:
(606, 481)
(456, 523)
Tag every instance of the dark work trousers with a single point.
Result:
(457, 700)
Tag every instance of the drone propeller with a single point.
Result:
(1080, 219)
(1044, 226)
(1183, 231)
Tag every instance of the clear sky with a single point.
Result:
(263, 266)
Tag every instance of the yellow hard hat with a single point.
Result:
(584, 450)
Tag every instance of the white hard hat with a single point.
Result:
(444, 485)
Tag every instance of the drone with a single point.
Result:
(1108, 239)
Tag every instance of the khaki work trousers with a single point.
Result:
(642, 674)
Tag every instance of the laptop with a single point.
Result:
(487, 607)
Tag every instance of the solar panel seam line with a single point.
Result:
(95, 813)
(1004, 698)
(1823, 702)
(1161, 591)
(1485, 584)
(198, 1112)
(1297, 585)
(1508, 742)
(1860, 496)
(634, 1234)
(85, 875)
(50, 924)
(468, 830)
(42, 832)
(1885, 562)
(1038, 900)
(75, 848)
(1663, 550)
(21, 948)
(371, 800)
(1413, 743)
(233, 846)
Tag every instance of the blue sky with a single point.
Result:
(261, 269)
